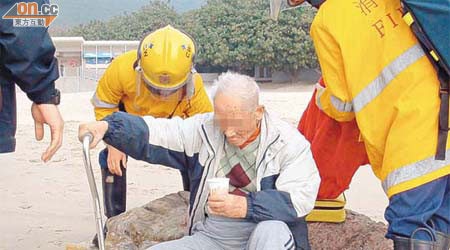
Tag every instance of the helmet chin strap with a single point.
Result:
(137, 63)
(138, 89)
(138, 69)
(190, 86)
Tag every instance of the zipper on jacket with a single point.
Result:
(264, 155)
(204, 181)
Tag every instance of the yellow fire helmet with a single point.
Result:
(165, 59)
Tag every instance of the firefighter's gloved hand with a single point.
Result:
(48, 114)
(114, 158)
(97, 129)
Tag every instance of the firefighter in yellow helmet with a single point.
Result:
(376, 72)
(158, 79)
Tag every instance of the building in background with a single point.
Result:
(82, 63)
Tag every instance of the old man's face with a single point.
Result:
(235, 120)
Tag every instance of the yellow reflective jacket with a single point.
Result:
(118, 85)
(376, 71)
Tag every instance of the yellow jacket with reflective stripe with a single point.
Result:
(376, 71)
(118, 84)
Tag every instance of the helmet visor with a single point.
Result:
(167, 95)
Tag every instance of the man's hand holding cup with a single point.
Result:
(221, 203)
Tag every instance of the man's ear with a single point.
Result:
(259, 112)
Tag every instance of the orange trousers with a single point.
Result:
(335, 146)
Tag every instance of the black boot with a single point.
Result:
(443, 241)
(114, 192)
(114, 195)
(403, 243)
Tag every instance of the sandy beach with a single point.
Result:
(46, 206)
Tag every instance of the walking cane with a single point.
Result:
(87, 139)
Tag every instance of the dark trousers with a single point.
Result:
(8, 116)
(426, 206)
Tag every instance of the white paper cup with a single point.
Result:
(219, 185)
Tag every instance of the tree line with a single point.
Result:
(230, 34)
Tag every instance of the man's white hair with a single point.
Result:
(241, 86)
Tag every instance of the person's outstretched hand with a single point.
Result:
(48, 114)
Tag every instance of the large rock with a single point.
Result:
(357, 232)
(165, 219)
(160, 220)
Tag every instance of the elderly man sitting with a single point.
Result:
(273, 177)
